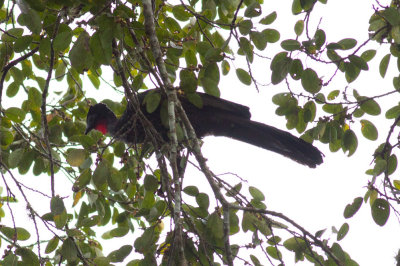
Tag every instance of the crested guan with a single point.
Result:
(216, 117)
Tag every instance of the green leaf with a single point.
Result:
(120, 254)
(150, 183)
(296, 69)
(195, 99)
(352, 72)
(380, 211)
(274, 252)
(12, 89)
(234, 190)
(347, 44)
(172, 25)
(320, 38)
(214, 55)
(94, 79)
(80, 54)
(310, 81)
(371, 107)
(225, 67)
(380, 166)
(29, 258)
(75, 157)
(368, 55)
(22, 43)
(243, 76)
(253, 10)
(215, 224)
(34, 98)
(392, 15)
(245, 26)
(368, 130)
(344, 229)
(290, 45)
(359, 62)
(101, 48)
(52, 245)
(188, 81)
(191, 59)
(38, 5)
(280, 67)
(255, 260)
(191, 191)
(145, 241)
(152, 101)
(180, 13)
(15, 157)
(333, 94)
(299, 27)
(22, 233)
(259, 40)
(349, 142)
(383, 65)
(392, 164)
(210, 86)
(115, 180)
(31, 20)
(15, 114)
(396, 184)
(256, 194)
(62, 40)
(268, 19)
(68, 250)
(352, 209)
(83, 180)
(203, 201)
(116, 232)
(295, 244)
(57, 205)
(100, 175)
(271, 35)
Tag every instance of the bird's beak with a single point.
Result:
(88, 129)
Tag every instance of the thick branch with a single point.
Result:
(172, 100)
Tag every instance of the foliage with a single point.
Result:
(45, 42)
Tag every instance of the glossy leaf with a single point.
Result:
(383, 65)
(256, 193)
(310, 81)
(243, 76)
(344, 229)
(290, 45)
(57, 205)
(120, 254)
(349, 142)
(299, 27)
(269, 18)
(75, 157)
(380, 211)
(52, 245)
(191, 191)
(352, 209)
(369, 130)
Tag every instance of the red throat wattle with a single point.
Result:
(102, 127)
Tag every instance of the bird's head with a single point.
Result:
(100, 117)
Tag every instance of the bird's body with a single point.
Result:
(216, 117)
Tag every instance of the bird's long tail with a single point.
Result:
(273, 139)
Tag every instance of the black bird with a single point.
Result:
(216, 117)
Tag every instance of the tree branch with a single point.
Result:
(172, 100)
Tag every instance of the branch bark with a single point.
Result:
(172, 101)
